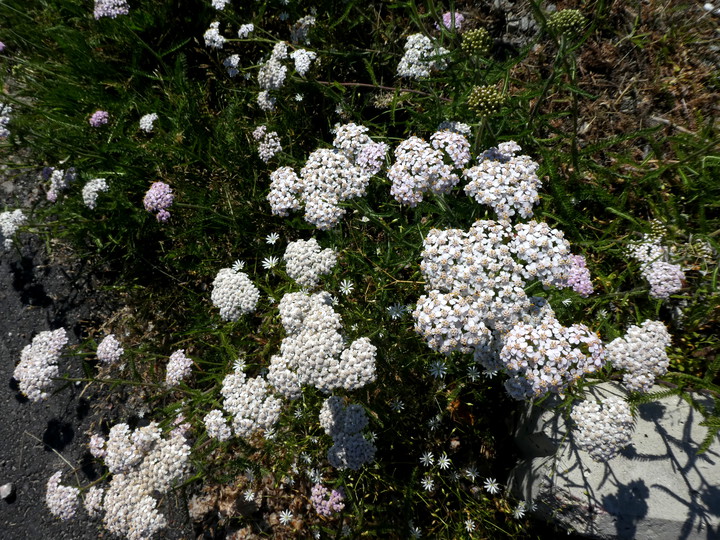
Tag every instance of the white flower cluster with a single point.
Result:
(272, 73)
(421, 57)
(9, 223)
(306, 261)
(147, 121)
(245, 30)
(91, 190)
(268, 143)
(314, 352)
(216, 425)
(420, 167)
(344, 423)
(548, 357)
(327, 179)
(109, 350)
(62, 501)
(94, 501)
(352, 140)
(5, 111)
(476, 281)
(265, 101)
(96, 445)
(231, 63)
(213, 38)
(250, 403)
(603, 429)
(303, 60)
(179, 367)
(641, 353)
(234, 294)
(143, 464)
(59, 180)
(299, 31)
(505, 181)
(220, 4)
(38, 364)
(664, 278)
(456, 127)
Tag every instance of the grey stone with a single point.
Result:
(658, 488)
(7, 490)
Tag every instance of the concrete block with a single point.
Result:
(658, 488)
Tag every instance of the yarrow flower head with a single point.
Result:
(603, 429)
(91, 190)
(216, 426)
(234, 294)
(220, 4)
(325, 501)
(306, 261)
(344, 423)
(99, 118)
(268, 143)
(38, 364)
(147, 121)
(303, 59)
(641, 353)
(579, 277)
(245, 30)
(452, 20)
(59, 180)
(9, 223)
(315, 352)
(506, 182)
(5, 111)
(158, 199)
(213, 38)
(328, 178)
(109, 350)
(111, 8)
(231, 63)
(420, 168)
(250, 403)
(62, 501)
(144, 464)
(178, 368)
(664, 278)
(421, 57)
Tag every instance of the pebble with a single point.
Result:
(7, 490)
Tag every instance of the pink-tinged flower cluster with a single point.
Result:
(99, 118)
(111, 8)
(449, 23)
(579, 276)
(158, 199)
(327, 502)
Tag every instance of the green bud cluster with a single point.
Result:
(485, 100)
(477, 41)
(567, 22)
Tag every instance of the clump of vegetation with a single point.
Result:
(347, 273)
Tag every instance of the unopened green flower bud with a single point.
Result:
(567, 22)
(477, 41)
(485, 100)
